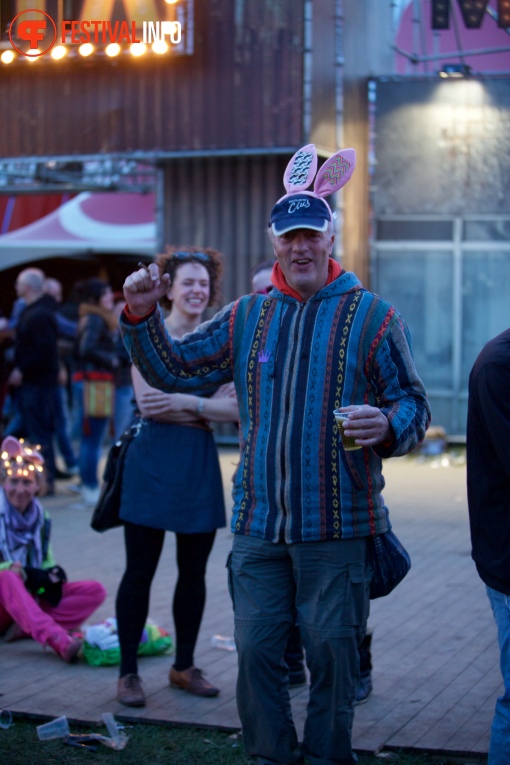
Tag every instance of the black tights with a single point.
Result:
(143, 550)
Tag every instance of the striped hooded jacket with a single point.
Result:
(293, 363)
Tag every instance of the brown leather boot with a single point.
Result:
(130, 691)
(193, 681)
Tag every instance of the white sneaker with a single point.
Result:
(90, 495)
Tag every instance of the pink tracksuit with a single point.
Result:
(40, 620)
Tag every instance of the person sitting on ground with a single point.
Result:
(35, 598)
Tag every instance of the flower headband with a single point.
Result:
(20, 460)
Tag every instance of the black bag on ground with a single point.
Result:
(106, 512)
(391, 564)
(45, 583)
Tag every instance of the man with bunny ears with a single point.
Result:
(305, 508)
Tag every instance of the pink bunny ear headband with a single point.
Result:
(308, 209)
(19, 459)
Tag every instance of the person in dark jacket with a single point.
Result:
(67, 329)
(96, 362)
(36, 363)
(488, 483)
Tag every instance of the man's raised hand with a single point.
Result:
(144, 288)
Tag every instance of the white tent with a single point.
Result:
(90, 223)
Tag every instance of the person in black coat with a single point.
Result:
(488, 483)
(36, 364)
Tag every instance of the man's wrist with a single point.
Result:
(134, 318)
(389, 437)
(200, 407)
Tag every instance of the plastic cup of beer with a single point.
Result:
(348, 442)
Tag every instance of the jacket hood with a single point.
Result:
(347, 281)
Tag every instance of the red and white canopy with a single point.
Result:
(89, 223)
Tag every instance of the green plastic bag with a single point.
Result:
(154, 641)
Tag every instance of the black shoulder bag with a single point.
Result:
(106, 512)
(391, 564)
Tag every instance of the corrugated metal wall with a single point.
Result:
(242, 87)
(224, 203)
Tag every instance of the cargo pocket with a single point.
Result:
(357, 602)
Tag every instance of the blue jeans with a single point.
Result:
(77, 409)
(61, 424)
(324, 586)
(16, 425)
(37, 404)
(499, 748)
(90, 449)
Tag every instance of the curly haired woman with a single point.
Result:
(187, 500)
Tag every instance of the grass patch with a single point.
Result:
(156, 745)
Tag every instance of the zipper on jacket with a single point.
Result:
(287, 407)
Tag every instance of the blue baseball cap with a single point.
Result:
(299, 211)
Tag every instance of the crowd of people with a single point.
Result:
(307, 341)
(49, 349)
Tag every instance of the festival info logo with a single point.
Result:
(33, 31)
(39, 32)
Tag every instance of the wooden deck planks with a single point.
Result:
(435, 656)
